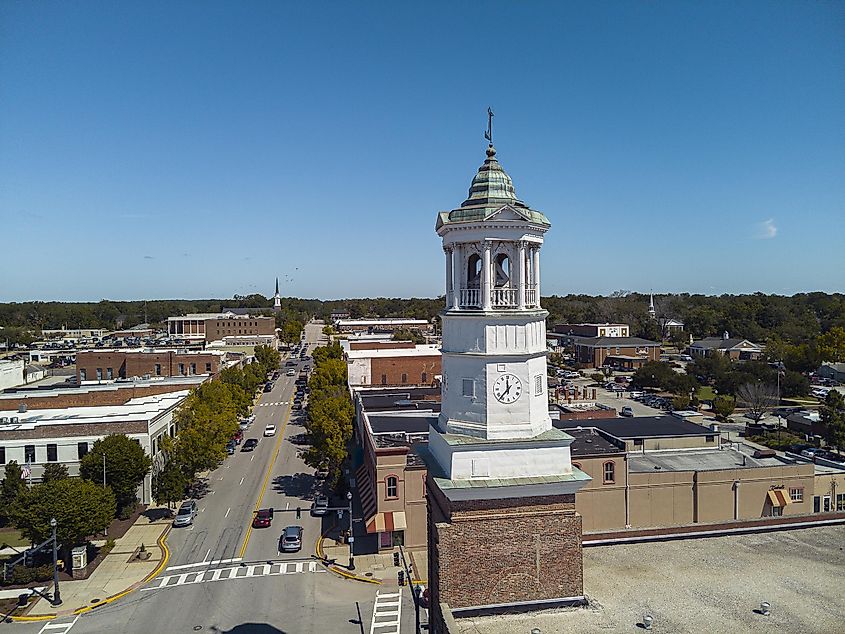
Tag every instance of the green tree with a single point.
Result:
(126, 466)
(80, 507)
(794, 384)
(653, 374)
(11, 488)
(723, 406)
(169, 484)
(831, 345)
(54, 471)
(268, 357)
(681, 402)
(832, 416)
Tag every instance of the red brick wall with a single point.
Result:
(503, 551)
(116, 396)
(128, 364)
(392, 368)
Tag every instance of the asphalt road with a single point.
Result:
(261, 591)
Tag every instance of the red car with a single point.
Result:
(238, 437)
(263, 518)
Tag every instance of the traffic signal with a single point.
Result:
(396, 559)
(298, 513)
(401, 578)
(29, 558)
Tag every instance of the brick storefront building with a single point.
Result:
(208, 327)
(109, 365)
(392, 363)
(625, 352)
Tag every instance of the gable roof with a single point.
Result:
(718, 343)
(599, 342)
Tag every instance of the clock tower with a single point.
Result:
(501, 478)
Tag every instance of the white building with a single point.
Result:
(382, 325)
(66, 435)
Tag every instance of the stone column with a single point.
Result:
(457, 268)
(522, 285)
(450, 295)
(537, 273)
(486, 282)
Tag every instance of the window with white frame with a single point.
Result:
(469, 388)
(392, 483)
(796, 494)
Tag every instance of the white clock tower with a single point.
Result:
(496, 465)
(494, 338)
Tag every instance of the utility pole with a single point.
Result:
(106, 530)
(414, 588)
(351, 536)
(57, 597)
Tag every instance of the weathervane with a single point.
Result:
(489, 133)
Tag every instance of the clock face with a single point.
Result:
(507, 388)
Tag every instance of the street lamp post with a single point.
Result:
(351, 536)
(57, 597)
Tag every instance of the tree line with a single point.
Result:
(330, 413)
(758, 317)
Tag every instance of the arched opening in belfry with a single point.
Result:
(474, 271)
(503, 270)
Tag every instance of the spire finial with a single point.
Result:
(277, 286)
(489, 133)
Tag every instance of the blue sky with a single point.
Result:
(199, 149)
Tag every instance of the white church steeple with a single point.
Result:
(277, 299)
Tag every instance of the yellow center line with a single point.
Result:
(267, 476)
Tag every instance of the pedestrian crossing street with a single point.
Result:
(272, 404)
(241, 571)
(387, 613)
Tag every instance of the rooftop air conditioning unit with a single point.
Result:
(22, 408)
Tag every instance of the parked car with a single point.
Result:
(290, 541)
(268, 387)
(249, 444)
(230, 447)
(291, 372)
(263, 518)
(186, 514)
(320, 506)
(270, 430)
(238, 437)
(635, 394)
(626, 411)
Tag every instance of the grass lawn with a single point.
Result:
(705, 393)
(12, 536)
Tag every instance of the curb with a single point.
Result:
(161, 541)
(345, 574)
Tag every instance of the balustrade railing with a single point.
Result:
(470, 298)
(531, 296)
(504, 297)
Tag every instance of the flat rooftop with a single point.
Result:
(417, 351)
(589, 442)
(710, 459)
(642, 427)
(382, 322)
(417, 398)
(58, 390)
(401, 423)
(144, 408)
(683, 584)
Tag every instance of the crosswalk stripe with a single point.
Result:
(237, 572)
(387, 613)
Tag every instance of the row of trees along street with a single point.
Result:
(112, 471)
(206, 421)
(330, 413)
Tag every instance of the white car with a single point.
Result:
(291, 372)
(270, 430)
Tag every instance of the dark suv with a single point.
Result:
(249, 444)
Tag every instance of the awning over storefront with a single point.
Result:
(779, 497)
(387, 521)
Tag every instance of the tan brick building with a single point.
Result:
(110, 365)
(205, 327)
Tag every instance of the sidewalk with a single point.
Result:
(378, 566)
(119, 573)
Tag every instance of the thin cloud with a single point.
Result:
(767, 230)
(149, 257)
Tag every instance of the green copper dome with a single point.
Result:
(491, 189)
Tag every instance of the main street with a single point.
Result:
(223, 575)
